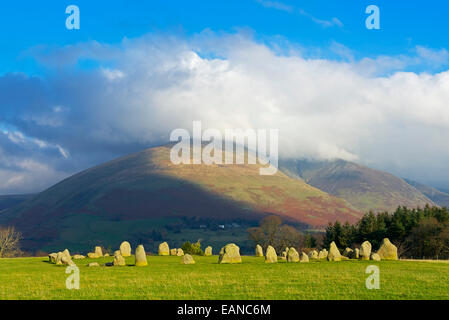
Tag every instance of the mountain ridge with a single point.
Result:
(364, 188)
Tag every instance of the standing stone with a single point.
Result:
(98, 252)
(334, 253)
(292, 255)
(141, 256)
(323, 254)
(187, 259)
(387, 250)
(180, 252)
(259, 251)
(118, 259)
(58, 259)
(284, 255)
(164, 249)
(270, 255)
(304, 257)
(375, 257)
(173, 252)
(93, 264)
(125, 249)
(313, 254)
(230, 254)
(348, 252)
(52, 257)
(208, 251)
(365, 250)
(64, 258)
(356, 253)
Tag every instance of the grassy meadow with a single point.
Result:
(167, 278)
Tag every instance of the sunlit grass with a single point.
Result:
(167, 278)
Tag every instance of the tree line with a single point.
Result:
(418, 233)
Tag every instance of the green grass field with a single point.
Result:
(166, 278)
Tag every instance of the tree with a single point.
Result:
(429, 239)
(193, 248)
(310, 241)
(270, 227)
(272, 232)
(9, 242)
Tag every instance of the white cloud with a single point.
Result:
(323, 108)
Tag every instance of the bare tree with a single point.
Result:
(9, 241)
(272, 232)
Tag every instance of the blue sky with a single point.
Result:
(136, 70)
(404, 24)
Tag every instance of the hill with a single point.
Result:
(437, 196)
(364, 188)
(135, 196)
(9, 201)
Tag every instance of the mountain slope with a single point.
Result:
(9, 201)
(437, 196)
(364, 188)
(145, 190)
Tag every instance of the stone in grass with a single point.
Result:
(64, 258)
(323, 254)
(304, 258)
(78, 256)
(180, 252)
(98, 251)
(356, 253)
(187, 259)
(173, 252)
(292, 255)
(387, 250)
(52, 257)
(119, 260)
(284, 255)
(375, 257)
(365, 251)
(125, 249)
(334, 253)
(97, 254)
(230, 253)
(93, 264)
(259, 251)
(208, 251)
(164, 249)
(141, 257)
(270, 255)
(313, 254)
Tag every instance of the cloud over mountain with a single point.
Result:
(96, 101)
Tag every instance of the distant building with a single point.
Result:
(221, 226)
